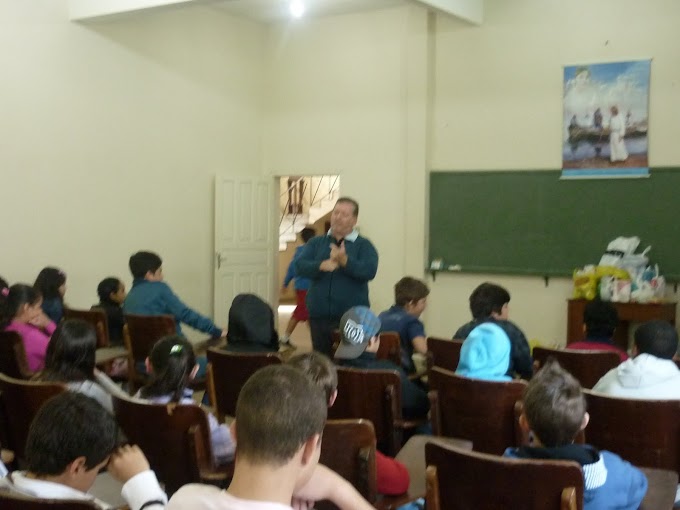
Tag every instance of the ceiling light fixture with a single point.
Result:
(297, 8)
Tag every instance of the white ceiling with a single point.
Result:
(276, 10)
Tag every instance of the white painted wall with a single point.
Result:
(111, 135)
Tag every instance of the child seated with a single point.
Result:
(150, 295)
(393, 477)
(280, 416)
(251, 326)
(359, 343)
(489, 303)
(51, 283)
(70, 440)
(555, 411)
(599, 322)
(485, 354)
(70, 359)
(172, 365)
(111, 292)
(21, 312)
(410, 297)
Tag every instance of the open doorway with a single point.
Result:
(304, 202)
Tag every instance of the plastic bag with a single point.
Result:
(617, 249)
(621, 291)
(585, 283)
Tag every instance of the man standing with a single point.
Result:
(339, 265)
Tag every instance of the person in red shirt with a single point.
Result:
(393, 477)
(599, 322)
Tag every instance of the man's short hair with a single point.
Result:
(658, 338)
(486, 299)
(554, 405)
(600, 318)
(68, 426)
(144, 261)
(409, 289)
(348, 200)
(319, 369)
(307, 233)
(277, 411)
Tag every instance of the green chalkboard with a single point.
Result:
(531, 222)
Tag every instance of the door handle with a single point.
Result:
(219, 259)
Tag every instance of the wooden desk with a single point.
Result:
(628, 312)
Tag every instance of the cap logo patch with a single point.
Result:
(353, 332)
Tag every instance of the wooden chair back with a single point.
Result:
(97, 318)
(348, 448)
(390, 347)
(13, 360)
(20, 401)
(373, 395)
(140, 334)
(643, 432)
(460, 479)
(15, 501)
(443, 353)
(174, 437)
(587, 366)
(228, 372)
(480, 411)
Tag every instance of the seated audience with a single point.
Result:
(358, 347)
(280, 416)
(599, 322)
(489, 303)
(555, 411)
(393, 477)
(651, 374)
(70, 359)
(111, 293)
(485, 354)
(51, 283)
(251, 326)
(70, 440)
(172, 365)
(410, 298)
(150, 295)
(20, 311)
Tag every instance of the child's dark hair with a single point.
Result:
(658, 338)
(600, 318)
(307, 233)
(18, 295)
(319, 369)
(48, 282)
(409, 289)
(487, 299)
(107, 287)
(144, 261)
(277, 411)
(71, 352)
(554, 405)
(68, 426)
(172, 360)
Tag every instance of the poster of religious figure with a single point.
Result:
(606, 116)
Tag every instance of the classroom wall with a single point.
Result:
(497, 106)
(111, 135)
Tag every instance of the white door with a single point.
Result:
(245, 244)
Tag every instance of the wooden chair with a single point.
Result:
(373, 395)
(15, 501)
(97, 318)
(643, 432)
(228, 372)
(13, 360)
(390, 347)
(587, 366)
(174, 438)
(460, 479)
(140, 334)
(480, 411)
(19, 403)
(348, 448)
(443, 353)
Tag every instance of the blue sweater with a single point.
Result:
(157, 298)
(301, 283)
(331, 294)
